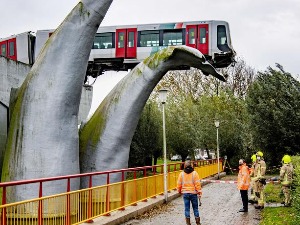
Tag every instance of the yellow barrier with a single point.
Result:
(84, 205)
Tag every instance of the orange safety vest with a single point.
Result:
(189, 183)
(243, 181)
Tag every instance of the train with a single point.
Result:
(120, 48)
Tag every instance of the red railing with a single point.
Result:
(154, 169)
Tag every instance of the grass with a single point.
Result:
(273, 193)
(160, 161)
(278, 216)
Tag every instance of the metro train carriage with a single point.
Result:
(121, 48)
(19, 47)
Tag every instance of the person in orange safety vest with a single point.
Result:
(243, 183)
(189, 185)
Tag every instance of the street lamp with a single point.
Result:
(217, 124)
(163, 98)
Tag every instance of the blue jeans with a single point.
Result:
(187, 199)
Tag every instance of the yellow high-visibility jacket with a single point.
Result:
(286, 174)
(259, 170)
(189, 183)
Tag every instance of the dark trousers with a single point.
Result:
(244, 195)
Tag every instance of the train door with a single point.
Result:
(3, 46)
(11, 50)
(126, 40)
(197, 37)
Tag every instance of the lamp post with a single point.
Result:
(217, 124)
(163, 98)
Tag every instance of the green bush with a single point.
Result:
(296, 189)
(283, 215)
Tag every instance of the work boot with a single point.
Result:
(243, 210)
(188, 221)
(198, 220)
(258, 206)
(252, 201)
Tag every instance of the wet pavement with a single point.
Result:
(220, 205)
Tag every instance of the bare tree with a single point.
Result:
(194, 83)
(240, 76)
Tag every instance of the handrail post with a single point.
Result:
(3, 219)
(90, 200)
(107, 196)
(145, 183)
(154, 173)
(135, 186)
(68, 213)
(40, 209)
(135, 189)
(122, 191)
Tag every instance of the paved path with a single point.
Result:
(220, 205)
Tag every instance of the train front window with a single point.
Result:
(11, 48)
(3, 49)
(202, 35)
(149, 38)
(222, 38)
(192, 36)
(173, 37)
(130, 39)
(104, 40)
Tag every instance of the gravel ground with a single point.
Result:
(220, 205)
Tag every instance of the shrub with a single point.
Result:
(296, 188)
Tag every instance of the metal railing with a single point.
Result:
(75, 207)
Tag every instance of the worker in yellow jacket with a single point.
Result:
(286, 178)
(260, 180)
(243, 183)
(253, 198)
(189, 185)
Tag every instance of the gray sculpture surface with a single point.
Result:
(105, 139)
(43, 136)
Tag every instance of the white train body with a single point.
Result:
(123, 47)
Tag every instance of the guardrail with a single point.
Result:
(75, 207)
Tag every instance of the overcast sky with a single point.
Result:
(263, 32)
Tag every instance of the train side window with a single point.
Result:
(121, 39)
(103, 40)
(149, 38)
(173, 37)
(3, 49)
(131, 39)
(192, 36)
(11, 48)
(202, 35)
